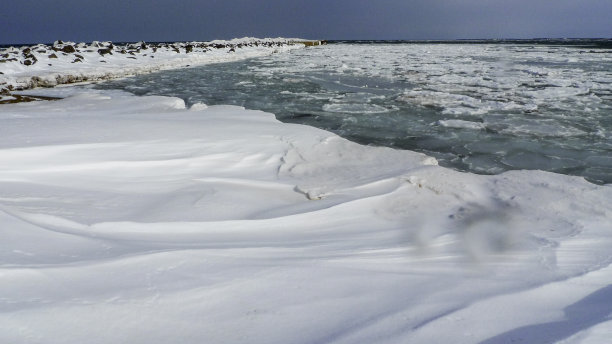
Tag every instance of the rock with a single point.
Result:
(188, 48)
(69, 49)
(103, 52)
(52, 56)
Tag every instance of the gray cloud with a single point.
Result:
(30, 21)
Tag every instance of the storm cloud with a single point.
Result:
(31, 21)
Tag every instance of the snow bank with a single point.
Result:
(67, 62)
(137, 219)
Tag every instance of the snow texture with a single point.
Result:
(127, 219)
(137, 219)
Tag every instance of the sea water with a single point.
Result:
(484, 107)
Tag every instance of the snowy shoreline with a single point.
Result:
(42, 65)
(140, 219)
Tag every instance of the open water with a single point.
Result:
(484, 107)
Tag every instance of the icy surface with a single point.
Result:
(140, 219)
(484, 108)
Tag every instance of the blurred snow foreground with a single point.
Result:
(137, 220)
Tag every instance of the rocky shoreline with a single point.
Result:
(42, 65)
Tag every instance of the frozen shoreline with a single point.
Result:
(41, 65)
(220, 224)
(140, 218)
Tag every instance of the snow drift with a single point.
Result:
(127, 219)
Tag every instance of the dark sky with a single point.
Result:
(33, 21)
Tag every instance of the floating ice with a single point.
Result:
(390, 94)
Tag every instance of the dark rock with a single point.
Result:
(28, 62)
(69, 49)
(232, 50)
(105, 51)
(77, 60)
(188, 48)
(79, 56)
(52, 56)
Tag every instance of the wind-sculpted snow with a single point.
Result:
(67, 62)
(141, 220)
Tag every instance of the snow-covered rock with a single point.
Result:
(68, 62)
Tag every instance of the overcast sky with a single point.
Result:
(33, 21)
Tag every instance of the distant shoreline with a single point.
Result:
(583, 42)
(595, 41)
(42, 65)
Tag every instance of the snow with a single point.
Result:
(68, 62)
(136, 219)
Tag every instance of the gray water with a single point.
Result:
(484, 108)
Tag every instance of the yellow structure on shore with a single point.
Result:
(312, 43)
